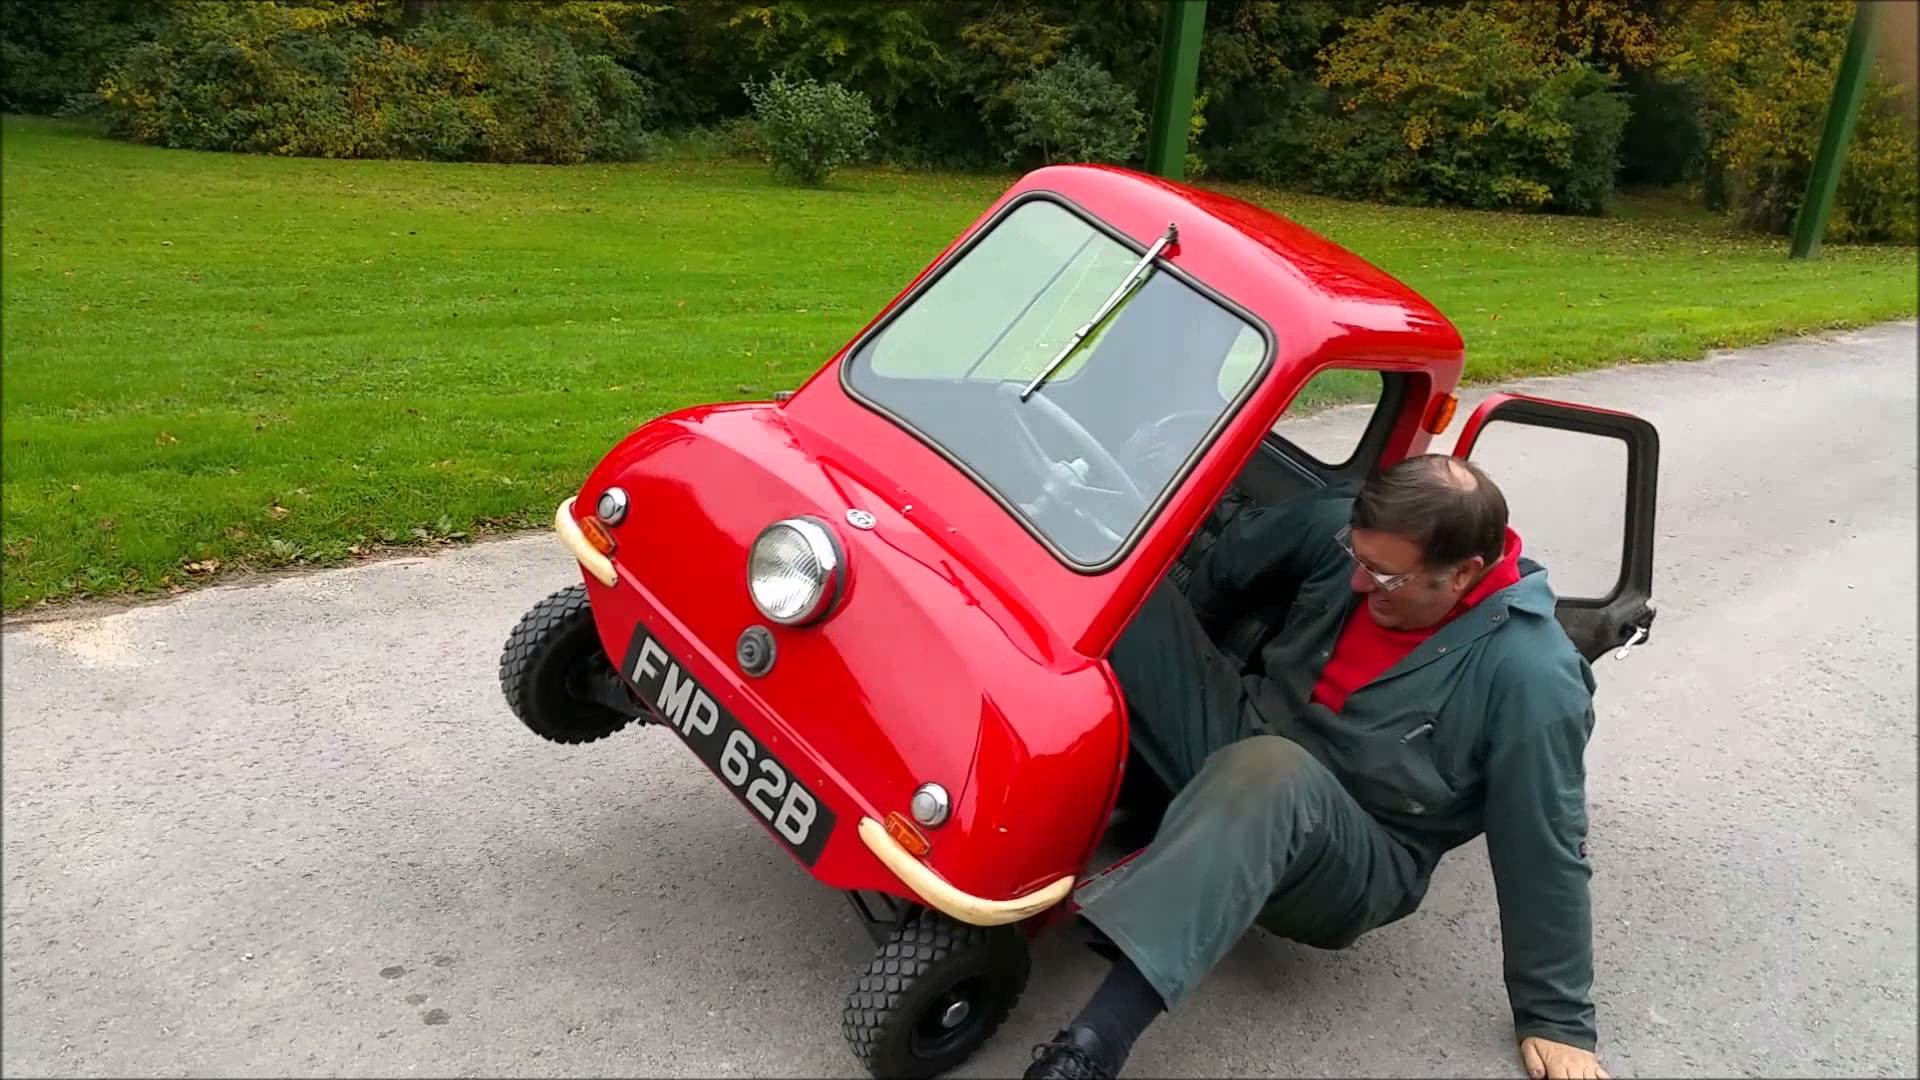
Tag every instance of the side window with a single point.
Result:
(1331, 415)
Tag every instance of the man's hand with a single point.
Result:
(1547, 1060)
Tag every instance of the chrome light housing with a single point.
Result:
(796, 571)
(611, 507)
(930, 805)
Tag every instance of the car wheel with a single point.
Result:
(933, 994)
(556, 675)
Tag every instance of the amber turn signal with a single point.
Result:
(906, 835)
(597, 535)
(1442, 413)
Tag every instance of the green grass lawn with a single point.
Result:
(250, 361)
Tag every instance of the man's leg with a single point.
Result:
(1263, 832)
(1185, 698)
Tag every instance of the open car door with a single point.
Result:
(1622, 616)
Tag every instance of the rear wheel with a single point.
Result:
(933, 994)
(556, 675)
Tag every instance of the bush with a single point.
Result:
(1074, 110)
(1581, 170)
(52, 54)
(510, 94)
(1765, 71)
(280, 79)
(1449, 105)
(810, 128)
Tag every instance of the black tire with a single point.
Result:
(899, 1019)
(552, 664)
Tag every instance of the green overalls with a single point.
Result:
(1320, 826)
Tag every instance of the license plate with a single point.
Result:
(795, 814)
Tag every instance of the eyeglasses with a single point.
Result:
(1386, 582)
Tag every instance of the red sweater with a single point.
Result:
(1366, 649)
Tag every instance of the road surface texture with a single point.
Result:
(289, 827)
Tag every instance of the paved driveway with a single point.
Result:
(290, 827)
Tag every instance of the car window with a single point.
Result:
(1331, 414)
(1086, 456)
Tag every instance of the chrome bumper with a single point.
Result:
(940, 894)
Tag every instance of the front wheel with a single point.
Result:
(933, 994)
(556, 675)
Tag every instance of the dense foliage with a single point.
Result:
(53, 54)
(282, 79)
(1516, 104)
(1764, 73)
(1448, 105)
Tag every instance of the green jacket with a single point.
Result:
(1482, 729)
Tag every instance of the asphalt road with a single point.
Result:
(289, 827)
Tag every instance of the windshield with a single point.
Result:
(1089, 454)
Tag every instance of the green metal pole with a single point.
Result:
(1811, 224)
(1180, 31)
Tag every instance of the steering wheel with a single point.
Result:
(1158, 448)
(1061, 482)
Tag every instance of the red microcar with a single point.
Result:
(879, 608)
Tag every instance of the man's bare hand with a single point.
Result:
(1548, 1060)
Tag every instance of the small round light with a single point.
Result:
(612, 506)
(795, 571)
(930, 805)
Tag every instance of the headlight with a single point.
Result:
(795, 571)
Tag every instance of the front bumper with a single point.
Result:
(940, 894)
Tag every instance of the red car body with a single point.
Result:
(963, 651)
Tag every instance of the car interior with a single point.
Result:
(1280, 469)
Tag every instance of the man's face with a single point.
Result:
(1424, 594)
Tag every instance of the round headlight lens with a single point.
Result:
(794, 571)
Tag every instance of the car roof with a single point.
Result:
(1324, 303)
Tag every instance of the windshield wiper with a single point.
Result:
(1133, 278)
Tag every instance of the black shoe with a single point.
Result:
(1076, 1053)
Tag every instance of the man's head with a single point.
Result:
(1430, 526)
